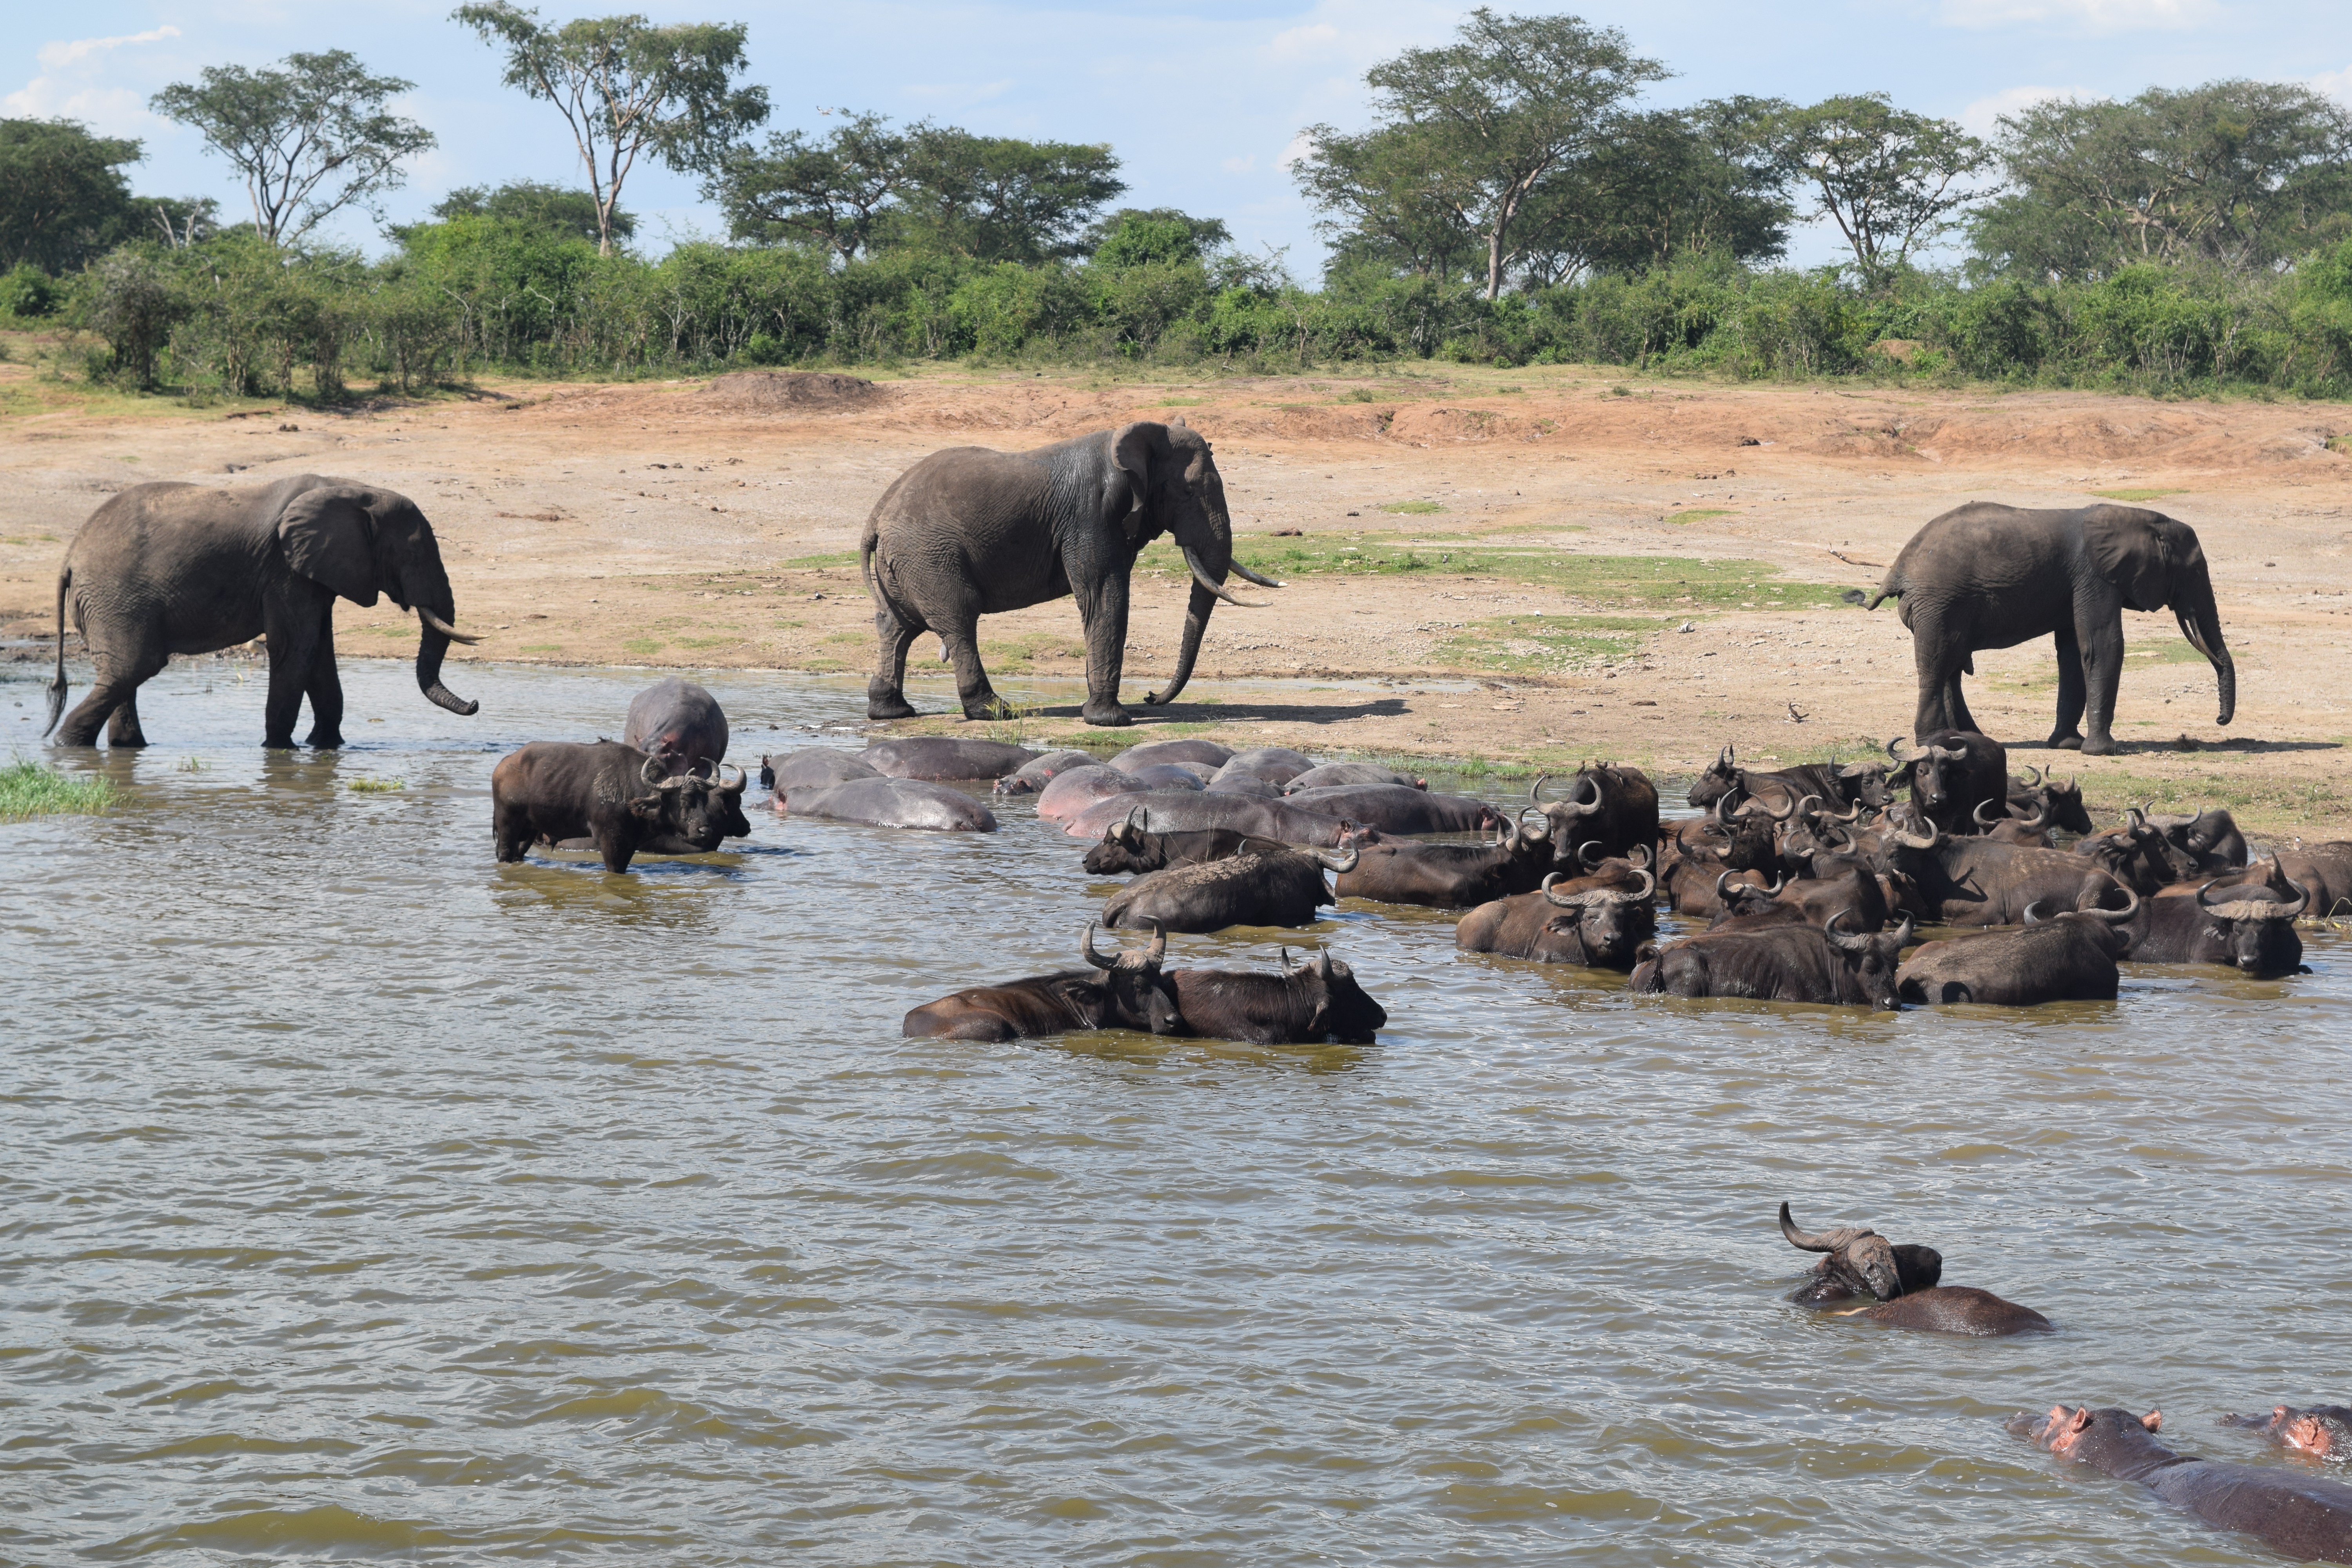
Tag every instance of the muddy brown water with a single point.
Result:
(366, 1198)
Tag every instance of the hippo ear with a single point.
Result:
(2153, 1420)
(330, 537)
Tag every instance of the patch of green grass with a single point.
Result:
(1527, 644)
(790, 626)
(540, 648)
(378, 786)
(1358, 395)
(709, 642)
(1697, 514)
(2265, 806)
(1018, 655)
(2138, 494)
(1656, 582)
(640, 646)
(1179, 403)
(27, 790)
(1412, 507)
(838, 558)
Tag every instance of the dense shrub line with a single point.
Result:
(476, 293)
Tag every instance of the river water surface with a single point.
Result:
(366, 1198)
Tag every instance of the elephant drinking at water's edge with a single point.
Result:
(968, 533)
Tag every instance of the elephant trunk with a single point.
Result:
(1196, 621)
(435, 609)
(2201, 623)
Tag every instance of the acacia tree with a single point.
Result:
(62, 196)
(1890, 179)
(1000, 198)
(628, 88)
(833, 192)
(311, 139)
(1475, 128)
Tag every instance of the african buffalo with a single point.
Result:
(1128, 847)
(1613, 809)
(1596, 922)
(2325, 869)
(940, 757)
(1398, 808)
(2247, 929)
(1977, 882)
(2301, 1517)
(613, 795)
(679, 724)
(1951, 773)
(1841, 883)
(2322, 1431)
(1453, 876)
(2068, 958)
(1901, 1284)
(2058, 807)
(1781, 964)
(1128, 993)
(1862, 784)
(1174, 813)
(1700, 851)
(1306, 1005)
(1270, 886)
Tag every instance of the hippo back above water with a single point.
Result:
(1183, 812)
(1398, 808)
(945, 757)
(679, 724)
(894, 803)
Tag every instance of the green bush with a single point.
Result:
(27, 292)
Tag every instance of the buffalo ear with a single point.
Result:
(330, 537)
(2135, 552)
(648, 806)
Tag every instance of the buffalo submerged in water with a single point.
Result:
(1900, 1286)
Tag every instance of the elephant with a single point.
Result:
(1984, 576)
(968, 531)
(172, 568)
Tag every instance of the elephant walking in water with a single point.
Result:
(178, 568)
(1984, 576)
(968, 533)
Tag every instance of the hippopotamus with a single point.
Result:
(2301, 1517)
(810, 768)
(893, 802)
(1033, 775)
(945, 757)
(1331, 776)
(679, 724)
(1904, 1281)
(1072, 792)
(1146, 754)
(1398, 808)
(1277, 765)
(2323, 1431)
(1172, 811)
(1248, 785)
(1167, 775)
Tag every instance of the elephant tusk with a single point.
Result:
(443, 627)
(1200, 576)
(1251, 576)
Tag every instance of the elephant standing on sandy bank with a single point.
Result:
(968, 533)
(178, 568)
(1985, 575)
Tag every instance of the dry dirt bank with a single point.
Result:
(686, 525)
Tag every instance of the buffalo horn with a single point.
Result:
(2115, 917)
(718, 772)
(1341, 860)
(1579, 807)
(443, 627)
(1860, 770)
(2041, 817)
(1910, 840)
(2038, 775)
(1724, 760)
(1894, 744)
(1837, 1240)
(1981, 819)
(2034, 915)
(1538, 830)
(1282, 957)
(1590, 855)
(2256, 909)
(1323, 964)
(1534, 790)
(1756, 804)
(1086, 945)
(1850, 941)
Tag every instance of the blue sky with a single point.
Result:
(1201, 102)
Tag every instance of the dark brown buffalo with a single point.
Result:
(2208, 840)
(1398, 808)
(2325, 870)
(1454, 876)
(2322, 1431)
(2032, 831)
(2301, 1517)
(1950, 774)
(1128, 992)
(2249, 928)
(1977, 882)
(615, 796)
(1862, 784)
(1127, 848)
(1306, 1005)
(1596, 922)
(2150, 851)
(1781, 964)
(1697, 851)
(1846, 885)
(1273, 886)
(1607, 809)
(2058, 807)
(1902, 1285)
(2070, 958)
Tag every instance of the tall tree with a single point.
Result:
(62, 195)
(832, 192)
(1383, 191)
(534, 204)
(1476, 126)
(1143, 237)
(311, 139)
(1890, 179)
(628, 88)
(2237, 173)
(999, 198)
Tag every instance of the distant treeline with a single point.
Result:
(1510, 204)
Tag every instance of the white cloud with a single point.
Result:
(1295, 152)
(960, 94)
(2087, 16)
(68, 86)
(1241, 165)
(2335, 84)
(1978, 118)
(1318, 41)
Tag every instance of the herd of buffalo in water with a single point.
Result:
(1810, 879)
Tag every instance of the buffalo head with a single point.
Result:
(701, 807)
(1861, 1262)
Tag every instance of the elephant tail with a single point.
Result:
(57, 687)
(1892, 588)
(871, 570)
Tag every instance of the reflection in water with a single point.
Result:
(366, 1197)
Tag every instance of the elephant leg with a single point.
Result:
(2102, 670)
(1102, 614)
(2066, 733)
(291, 653)
(1956, 705)
(325, 691)
(123, 731)
(1937, 657)
(114, 690)
(885, 694)
(979, 697)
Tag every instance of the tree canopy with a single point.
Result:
(63, 198)
(628, 88)
(536, 204)
(311, 138)
(1891, 180)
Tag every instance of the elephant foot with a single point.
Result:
(332, 742)
(892, 706)
(1106, 715)
(2068, 742)
(278, 742)
(989, 707)
(2100, 746)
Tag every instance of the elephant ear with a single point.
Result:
(1134, 451)
(2135, 551)
(330, 537)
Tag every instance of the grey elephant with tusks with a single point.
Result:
(968, 533)
(178, 568)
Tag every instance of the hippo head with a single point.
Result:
(2324, 1431)
(2106, 1437)
(1861, 1262)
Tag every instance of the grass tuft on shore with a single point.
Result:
(28, 789)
